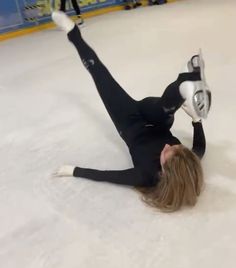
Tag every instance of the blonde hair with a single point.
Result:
(179, 184)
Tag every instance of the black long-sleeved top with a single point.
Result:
(145, 154)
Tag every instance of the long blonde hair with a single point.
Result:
(179, 184)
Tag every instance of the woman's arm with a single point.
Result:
(131, 177)
(199, 141)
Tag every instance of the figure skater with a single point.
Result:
(129, 4)
(168, 174)
(76, 7)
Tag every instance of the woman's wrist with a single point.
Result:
(197, 120)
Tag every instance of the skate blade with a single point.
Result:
(202, 85)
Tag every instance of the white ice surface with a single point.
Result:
(51, 115)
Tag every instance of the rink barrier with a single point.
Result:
(32, 19)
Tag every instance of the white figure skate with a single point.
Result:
(201, 98)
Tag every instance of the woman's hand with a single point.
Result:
(64, 171)
(190, 112)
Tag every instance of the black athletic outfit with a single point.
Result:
(143, 125)
(75, 6)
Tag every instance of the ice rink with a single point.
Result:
(52, 115)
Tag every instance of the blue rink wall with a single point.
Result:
(28, 15)
(16, 14)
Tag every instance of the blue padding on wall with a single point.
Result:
(16, 14)
(10, 16)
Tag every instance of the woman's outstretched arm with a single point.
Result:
(131, 176)
(199, 140)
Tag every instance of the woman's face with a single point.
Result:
(167, 152)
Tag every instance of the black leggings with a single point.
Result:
(75, 6)
(130, 117)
